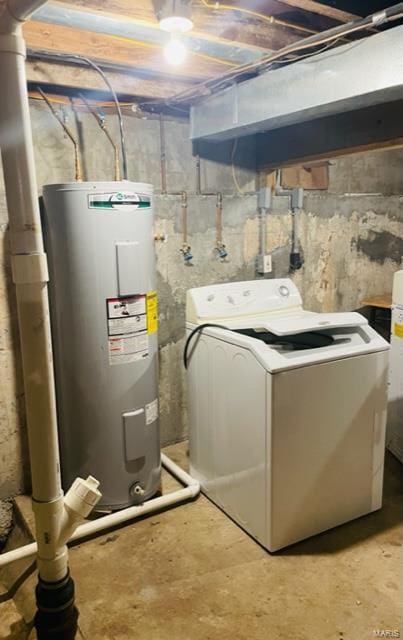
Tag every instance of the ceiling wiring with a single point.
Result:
(219, 6)
(159, 47)
(214, 84)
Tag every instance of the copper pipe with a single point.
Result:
(78, 169)
(102, 125)
(184, 205)
(219, 219)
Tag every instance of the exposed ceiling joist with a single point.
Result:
(114, 52)
(322, 9)
(74, 77)
(121, 34)
(129, 30)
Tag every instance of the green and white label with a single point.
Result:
(119, 201)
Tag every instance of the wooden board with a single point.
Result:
(379, 302)
(309, 176)
(321, 9)
(113, 50)
(76, 77)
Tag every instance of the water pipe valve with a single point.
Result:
(187, 255)
(82, 497)
(222, 252)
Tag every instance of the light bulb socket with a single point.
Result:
(175, 16)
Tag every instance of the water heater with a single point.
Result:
(100, 245)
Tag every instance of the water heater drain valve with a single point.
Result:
(137, 490)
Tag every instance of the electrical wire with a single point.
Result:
(271, 19)
(295, 341)
(194, 332)
(67, 130)
(234, 177)
(104, 127)
(327, 47)
(158, 46)
(207, 87)
(118, 109)
(91, 63)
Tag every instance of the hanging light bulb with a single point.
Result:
(175, 51)
(175, 18)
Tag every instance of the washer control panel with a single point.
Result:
(233, 299)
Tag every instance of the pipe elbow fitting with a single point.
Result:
(194, 489)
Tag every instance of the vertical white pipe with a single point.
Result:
(30, 276)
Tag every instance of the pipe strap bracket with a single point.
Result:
(30, 268)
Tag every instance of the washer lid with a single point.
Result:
(301, 323)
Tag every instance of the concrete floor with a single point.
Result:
(190, 573)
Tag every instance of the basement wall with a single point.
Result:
(352, 245)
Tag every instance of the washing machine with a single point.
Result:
(395, 411)
(287, 409)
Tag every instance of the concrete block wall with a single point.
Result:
(351, 244)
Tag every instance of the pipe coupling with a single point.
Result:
(13, 43)
(29, 268)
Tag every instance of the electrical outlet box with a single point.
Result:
(264, 263)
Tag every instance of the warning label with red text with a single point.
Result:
(127, 328)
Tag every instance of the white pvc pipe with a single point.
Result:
(14, 12)
(191, 490)
(29, 269)
(30, 275)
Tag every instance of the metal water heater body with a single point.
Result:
(100, 245)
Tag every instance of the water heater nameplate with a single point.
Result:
(119, 201)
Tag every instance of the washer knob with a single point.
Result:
(284, 291)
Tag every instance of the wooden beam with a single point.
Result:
(234, 27)
(381, 145)
(226, 25)
(71, 76)
(308, 176)
(113, 50)
(322, 9)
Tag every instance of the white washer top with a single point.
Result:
(276, 306)
(241, 300)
